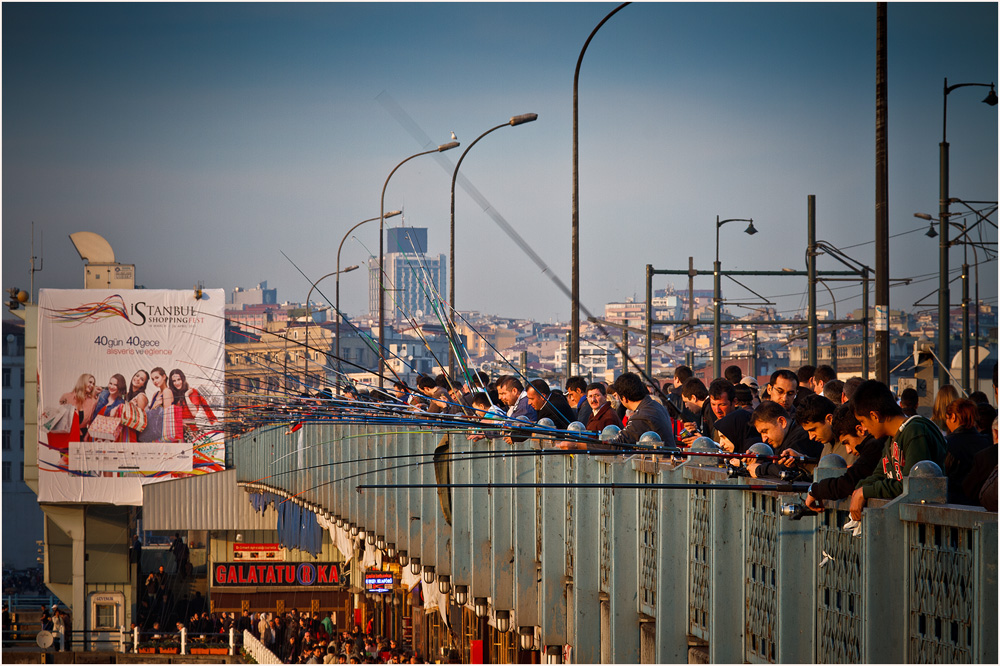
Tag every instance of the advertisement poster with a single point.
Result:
(131, 391)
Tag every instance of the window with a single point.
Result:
(105, 616)
(6, 408)
(6, 471)
(22, 471)
(22, 378)
(22, 409)
(22, 440)
(6, 440)
(6, 377)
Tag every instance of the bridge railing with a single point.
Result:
(642, 575)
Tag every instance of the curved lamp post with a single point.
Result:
(309, 310)
(717, 344)
(944, 291)
(381, 258)
(574, 326)
(391, 213)
(513, 122)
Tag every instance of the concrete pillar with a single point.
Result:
(552, 589)
(586, 637)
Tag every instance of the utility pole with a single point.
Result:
(811, 269)
(882, 203)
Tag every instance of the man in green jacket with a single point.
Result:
(908, 441)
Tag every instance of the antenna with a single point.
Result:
(41, 243)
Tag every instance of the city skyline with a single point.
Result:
(202, 139)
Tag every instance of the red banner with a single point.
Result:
(307, 574)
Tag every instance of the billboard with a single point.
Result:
(130, 390)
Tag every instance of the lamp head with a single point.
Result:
(393, 213)
(750, 231)
(923, 216)
(448, 146)
(930, 232)
(991, 98)
(530, 117)
(352, 267)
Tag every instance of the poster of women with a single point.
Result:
(130, 390)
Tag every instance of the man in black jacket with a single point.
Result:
(851, 434)
(550, 404)
(780, 432)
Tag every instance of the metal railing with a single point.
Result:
(258, 650)
(622, 567)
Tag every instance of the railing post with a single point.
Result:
(481, 517)
(726, 606)
(796, 568)
(184, 640)
(461, 512)
(135, 640)
(624, 583)
(525, 571)
(121, 638)
(552, 589)
(232, 641)
(886, 550)
(587, 565)
(502, 536)
(672, 573)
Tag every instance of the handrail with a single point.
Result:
(258, 650)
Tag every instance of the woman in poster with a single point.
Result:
(161, 399)
(110, 402)
(189, 401)
(136, 396)
(83, 399)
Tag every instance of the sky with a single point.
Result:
(207, 141)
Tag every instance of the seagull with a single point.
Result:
(453, 137)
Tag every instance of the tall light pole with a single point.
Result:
(391, 213)
(381, 258)
(309, 309)
(944, 290)
(967, 365)
(717, 344)
(513, 122)
(574, 326)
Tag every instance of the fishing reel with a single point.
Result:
(796, 511)
(737, 471)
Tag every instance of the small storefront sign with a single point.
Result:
(263, 552)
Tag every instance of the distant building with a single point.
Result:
(259, 295)
(415, 280)
(20, 534)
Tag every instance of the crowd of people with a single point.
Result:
(312, 638)
(802, 416)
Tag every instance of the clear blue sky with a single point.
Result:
(201, 139)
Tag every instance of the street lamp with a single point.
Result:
(381, 258)
(309, 309)
(391, 213)
(574, 326)
(964, 237)
(944, 291)
(717, 345)
(513, 122)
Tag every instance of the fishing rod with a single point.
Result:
(382, 350)
(777, 487)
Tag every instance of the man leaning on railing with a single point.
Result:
(908, 441)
